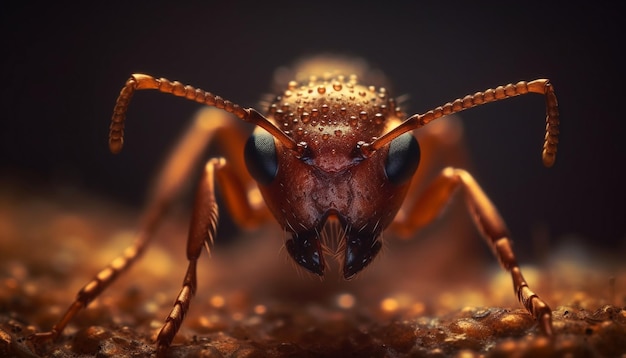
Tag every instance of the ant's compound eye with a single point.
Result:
(260, 157)
(402, 159)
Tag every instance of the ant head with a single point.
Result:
(328, 173)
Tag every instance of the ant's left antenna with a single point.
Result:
(541, 86)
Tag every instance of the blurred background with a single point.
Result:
(63, 67)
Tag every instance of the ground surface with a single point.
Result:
(418, 300)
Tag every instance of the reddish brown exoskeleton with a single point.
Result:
(329, 149)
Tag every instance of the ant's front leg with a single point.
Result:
(202, 231)
(168, 185)
(486, 217)
(209, 125)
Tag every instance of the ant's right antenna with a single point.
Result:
(141, 82)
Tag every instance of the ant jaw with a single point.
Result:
(306, 250)
(360, 251)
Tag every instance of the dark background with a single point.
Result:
(63, 66)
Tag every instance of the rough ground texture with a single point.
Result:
(420, 299)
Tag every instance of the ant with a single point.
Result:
(330, 149)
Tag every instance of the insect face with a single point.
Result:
(329, 177)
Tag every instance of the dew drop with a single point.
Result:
(292, 85)
(353, 121)
(279, 114)
(325, 136)
(305, 117)
(338, 132)
(362, 115)
(321, 89)
(337, 86)
(379, 118)
(325, 108)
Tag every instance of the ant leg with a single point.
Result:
(169, 183)
(486, 217)
(440, 142)
(202, 230)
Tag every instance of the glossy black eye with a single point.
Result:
(260, 157)
(403, 158)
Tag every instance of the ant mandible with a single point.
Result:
(329, 149)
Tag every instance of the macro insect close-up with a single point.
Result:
(332, 160)
(323, 199)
